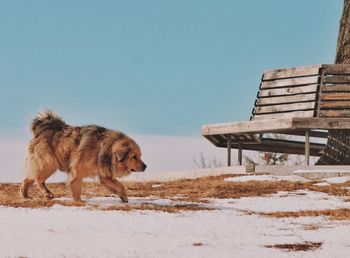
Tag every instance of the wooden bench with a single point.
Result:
(302, 101)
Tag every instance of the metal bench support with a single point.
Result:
(239, 154)
(229, 150)
(307, 147)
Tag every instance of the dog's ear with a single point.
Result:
(121, 154)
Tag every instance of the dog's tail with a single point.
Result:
(46, 120)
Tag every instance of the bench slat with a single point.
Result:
(283, 115)
(335, 96)
(336, 69)
(284, 108)
(291, 72)
(285, 99)
(339, 79)
(246, 127)
(335, 113)
(289, 82)
(275, 125)
(288, 91)
(336, 88)
(336, 104)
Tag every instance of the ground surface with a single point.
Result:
(222, 216)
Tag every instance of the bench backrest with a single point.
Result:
(306, 91)
(334, 95)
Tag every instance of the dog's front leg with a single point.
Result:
(115, 186)
(75, 184)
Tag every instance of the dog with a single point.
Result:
(81, 151)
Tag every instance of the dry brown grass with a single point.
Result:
(154, 207)
(190, 190)
(307, 246)
(336, 214)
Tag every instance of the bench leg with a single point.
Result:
(307, 148)
(229, 150)
(239, 154)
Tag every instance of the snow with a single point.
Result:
(337, 180)
(320, 172)
(322, 184)
(289, 201)
(233, 228)
(333, 180)
(156, 185)
(226, 231)
(292, 178)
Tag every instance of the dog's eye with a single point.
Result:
(133, 157)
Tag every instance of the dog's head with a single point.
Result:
(121, 157)
(127, 158)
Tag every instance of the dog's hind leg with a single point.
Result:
(26, 184)
(40, 178)
(44, 190)
(40, 165)
(115, 186)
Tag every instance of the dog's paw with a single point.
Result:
(124, 199)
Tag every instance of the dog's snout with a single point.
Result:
(144, 166)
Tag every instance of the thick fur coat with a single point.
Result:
(81, 151)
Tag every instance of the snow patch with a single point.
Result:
(337, 180)
(62, 231)
(322, 184)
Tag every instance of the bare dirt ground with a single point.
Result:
(195, 191)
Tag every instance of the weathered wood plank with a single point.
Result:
(283, 115)
(336, 69)
(284, 108)
(336, 88)
(274, 125)
(289, 82)
(288, 91)
(285, 99)
(325, 123)
(291, 72)
(338, 79)
(247, 127)
(335, 104)
(335, 96)
(335, 113)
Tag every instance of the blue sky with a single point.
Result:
(152, 67)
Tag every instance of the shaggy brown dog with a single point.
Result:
(85, 151)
